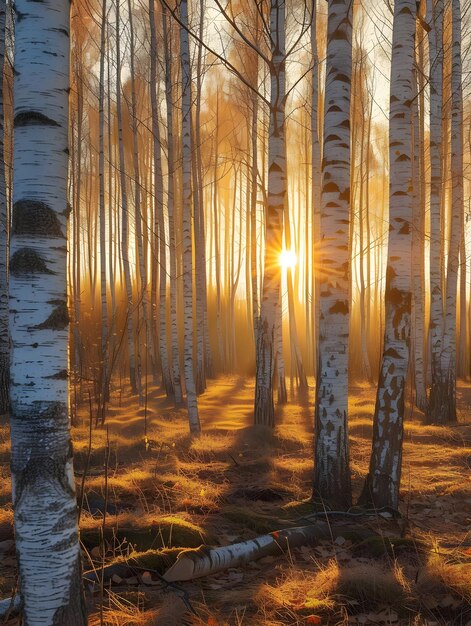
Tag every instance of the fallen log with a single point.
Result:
(204, 561)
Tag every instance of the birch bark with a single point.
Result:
(384, 477)
(4, 228)
(435, 10)
(266, 348)
(175, 351)
(124, 213)
(331, 472)
(447, 379)
(43, 489)
(191, 397)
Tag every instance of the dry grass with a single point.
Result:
(236, 481)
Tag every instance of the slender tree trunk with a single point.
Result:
(177, 386)
(384, 477)
(331, 472)
(445, 409)
(124, 214)
(418, 228)
(436, 11)
(266, 349)
(222, 358)
(253, 210)
(140, 236)
(43, 486)
(104, 356)
(4, 232)
(191, 397)
(159, 210)
(315, 184)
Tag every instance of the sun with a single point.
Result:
(288, 259)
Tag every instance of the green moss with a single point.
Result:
(165, 532)
(246, 518)
(298, 509)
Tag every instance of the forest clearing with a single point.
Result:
(235, 312)
(238, 481)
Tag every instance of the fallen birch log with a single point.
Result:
(204, 561)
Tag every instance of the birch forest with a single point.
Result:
(235, 312)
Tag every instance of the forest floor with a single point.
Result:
(235, 482)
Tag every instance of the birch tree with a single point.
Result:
(192, 402)
(444, 409)
(435, 16)
(384, 477)
(159, 208)
(42, 473)
(264, 412)
(331, 472)
(4, 231)
(133, 378)
(176, 376)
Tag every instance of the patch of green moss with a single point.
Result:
(246, 518)
(164, 532)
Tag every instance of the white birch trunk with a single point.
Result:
(383, 481)
(446, 410)
(142, 273)
(266, 349)
(175, 351)
(124, 214)
(104, 356)
(436, 11)
(418, 300)
(315, 185)
(331, 472)
(192, 401)
(43, 489)
(167, 383)
(4, 230)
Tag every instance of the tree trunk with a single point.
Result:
(384, 477)
(177, 385)
(436, 220)
(104, 355)
(4, 231)
(124, 215)
(191, 397)
(332, 473)
(43, 486)
(159, 210)
(266, 350)
(444, 410)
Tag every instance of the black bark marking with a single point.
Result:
(341, 306)
(61, 375)
(33, 118)
(28, 261)
(57, 320)
(33, 217)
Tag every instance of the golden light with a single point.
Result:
(288, 259)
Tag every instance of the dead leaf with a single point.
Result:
(313, 619)
(116, 579)
(95, 552)
(147, 579)
(132, 580)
